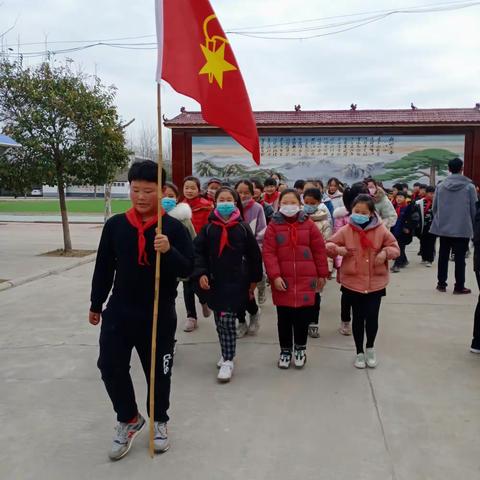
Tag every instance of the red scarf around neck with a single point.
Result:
(225, 225)
(135, 219)
(364, 240)
(271, 199)
(249, 205)
(198, 203)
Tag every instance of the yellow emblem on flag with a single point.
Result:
(214, 52)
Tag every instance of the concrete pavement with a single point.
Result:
(415, 417)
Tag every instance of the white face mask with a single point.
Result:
(289, 210)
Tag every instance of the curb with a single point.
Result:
(17, 282)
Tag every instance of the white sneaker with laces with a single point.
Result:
(300, 357)
(360, 361)
(226, 371)
(242, 330)
(371, 358)
(285, 360)
(190, 324)
(254, 323)
(160, 440)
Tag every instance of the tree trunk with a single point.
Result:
(433, 179)
(108, 201)
(67, 241)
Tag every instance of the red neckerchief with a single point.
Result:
(198, 203)
(225, 225)
(364, 241)
(292, 224)
(271, 199)
(399, 208)
(249, 205)
(135, 219)
(427, 204)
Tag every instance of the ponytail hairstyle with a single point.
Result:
(351, 193)
(235, 196)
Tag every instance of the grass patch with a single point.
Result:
(40, 206)
(71, 254)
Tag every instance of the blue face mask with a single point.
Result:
(225, 209)
(359, 219)
(310, 209)
(168, 203)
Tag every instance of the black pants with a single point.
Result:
(316, 309)
(365, 309)
(476, 323)
(121, 332)
(293, 326)
(345, 308)
(189, 292)
(459, 247)
(427, 246)
(402, 260)
(252, 309)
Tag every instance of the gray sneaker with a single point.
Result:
(262, 294)
(254, 323)
(242, 330)
(124, 436)
(161, 443)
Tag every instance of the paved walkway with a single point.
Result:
(415, 417)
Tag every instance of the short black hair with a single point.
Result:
(430, 189)
(270, 182)
(146, 170)
(402, 193)
(398, 186)
(351, 193)
(314, 193)
(423, 186)
(299, 184)
(405, 186)
(291, 190)
(364, 198)
(455, 165)
(417, 184)
(214, 180)
(257, 183)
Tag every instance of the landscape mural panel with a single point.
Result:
(351, 158)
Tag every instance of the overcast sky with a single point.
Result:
(431, 59)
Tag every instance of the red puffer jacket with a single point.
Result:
(294, 251)
(201, 209)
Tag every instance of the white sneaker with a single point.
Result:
(423, 262)
(475, 350)
(125, 434)
(206, 311)
(360, 361)
(371, 358)
(242, 330)
(226, 371)
(345, 329)
(300, 358)
(220, 362)
(333, 275)
(285, 360)
(161, 443)
(254, 323)
(313, 330)
(190, 324)
(429, 264)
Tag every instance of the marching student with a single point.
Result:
(427, 239)
(258, 197)
(126, 261)
(320, 215)
(296, 263)
(335, 192)
(366, 245)
(201, 209)
(212, 186)
(271, 194)
(342, 218)
(180, 211)
(253, 215)
(228, 265)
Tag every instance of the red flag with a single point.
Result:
(196, 59)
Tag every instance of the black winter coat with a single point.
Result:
(231, 273)
(476, 240)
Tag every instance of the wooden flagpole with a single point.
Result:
(157, 277)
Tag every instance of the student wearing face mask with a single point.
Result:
(296, 264)
(212, 186)
(228, 266)
(254, 215)
(366, 246)
(180, 211)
